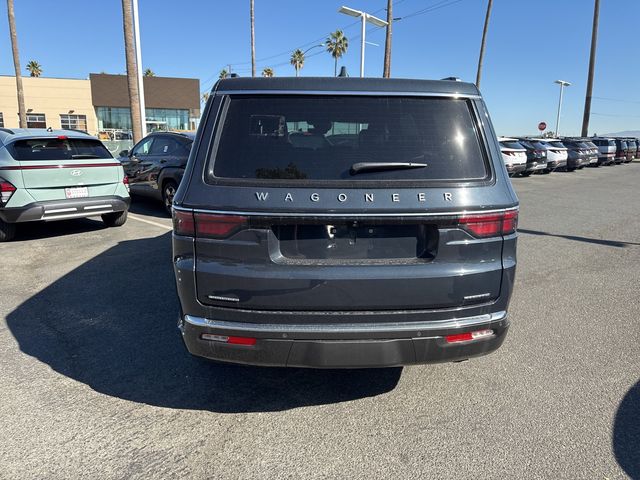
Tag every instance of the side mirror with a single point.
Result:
(124, 153)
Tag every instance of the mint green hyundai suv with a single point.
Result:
(48, 175)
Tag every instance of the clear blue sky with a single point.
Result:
(530, 44)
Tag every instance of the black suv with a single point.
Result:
(155, 165)
(344, 222)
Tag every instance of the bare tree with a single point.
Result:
(592, 65)
(22, 111)
(132, 70)
(387, 42)
(253, 41)
(484, 42)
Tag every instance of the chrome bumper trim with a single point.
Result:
(456, 323)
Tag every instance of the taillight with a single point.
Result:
(206, 224)
(217, 226)
(125, 180)
(183, 223)
(6, 190)
(247, 341)
(490, 224)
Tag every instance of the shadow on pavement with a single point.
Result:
(111, 324)
(36, 230)
(609, 243)
(626, 433)
(147, 206)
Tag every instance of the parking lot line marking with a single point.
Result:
(144, 220)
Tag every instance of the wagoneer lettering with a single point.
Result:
(383, 225)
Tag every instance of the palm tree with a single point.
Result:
(149, 73)
(22, 111)
(34, 68)
(297, 60)
(337, 45)
(267, 72)
(132, 70)
(253, 40)
(223, 73)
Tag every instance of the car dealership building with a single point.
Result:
(100, 103)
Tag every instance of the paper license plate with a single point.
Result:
(76, 192)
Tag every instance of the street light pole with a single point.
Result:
(136, 32)
(365, 18)
(562, 84)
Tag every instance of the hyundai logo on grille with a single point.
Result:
(76, 173)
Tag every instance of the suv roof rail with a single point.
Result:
(7, 130)
(453, 79)
(233, 75)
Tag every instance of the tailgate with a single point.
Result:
(59, 167)
(368, 264)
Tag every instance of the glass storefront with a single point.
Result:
(119, 118)
(113, 117)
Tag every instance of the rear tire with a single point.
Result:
(168, 192)
(526, 174)
(7, 231)
(116, 219)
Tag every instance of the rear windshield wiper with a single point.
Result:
(85, 155)
(381, 166)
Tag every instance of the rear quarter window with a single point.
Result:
(57, 149)
(290, 138)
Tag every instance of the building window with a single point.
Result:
(73, 122)
(167, 119)
(36, 120)
(1, 120)
(116, 118)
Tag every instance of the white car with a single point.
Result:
(557, 153)
(514, 155)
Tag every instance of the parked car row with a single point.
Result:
(526, 155)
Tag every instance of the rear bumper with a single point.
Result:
(65, 209)
(536, 166)
(516, 168)
(360, 345)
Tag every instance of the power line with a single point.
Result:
(430, 8)
(615, 115)
(617, 100)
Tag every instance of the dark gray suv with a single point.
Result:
(344, 222)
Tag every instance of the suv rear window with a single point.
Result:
(302, 138)
(507, 144)
(57, 149)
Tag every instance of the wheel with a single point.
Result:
(525, 174)
(7, 231)
(168, 192)
(116, 219)
(546, 171)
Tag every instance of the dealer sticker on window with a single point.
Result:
(76, 192)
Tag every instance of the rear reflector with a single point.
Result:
(230, 340)
(125, 180)
(469, 336)
(490, 224)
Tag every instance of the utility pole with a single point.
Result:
(136, 31)
(484, 41)
(253, 41)
(592, 65)
(387, 42)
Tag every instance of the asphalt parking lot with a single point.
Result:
(94, 380)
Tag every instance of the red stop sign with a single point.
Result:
(542, 126)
